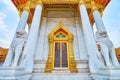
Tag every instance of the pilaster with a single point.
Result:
(80, 39)
(72, 64)
(41, 40)
(50, 63)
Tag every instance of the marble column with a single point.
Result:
(81, 41)
(98, 21)
(41, 40)
(92, 49)
(97, 17)
(30, 47)
(21, 26)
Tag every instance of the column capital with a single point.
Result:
(27, 8)
(93, 6)
(81, 2)
(40, 2)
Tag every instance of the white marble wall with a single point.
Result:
(73, 25)
(81, 41)
(69, 23)
(41, 40)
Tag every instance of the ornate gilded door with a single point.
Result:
(61, 52)
(60, 55)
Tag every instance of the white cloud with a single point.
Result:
(3, 31)
(10, 6)
(3, 26)
(4, 43)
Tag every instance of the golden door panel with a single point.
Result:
(57, 55)
(60, 59)
(64, 55)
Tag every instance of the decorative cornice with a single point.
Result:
(30, 5)
(20, 2)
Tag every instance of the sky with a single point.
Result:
(9, 19)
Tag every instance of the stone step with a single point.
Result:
(82, 64)
(83, 70)
(61, 76)
(82, 67)
(60, 70)
(38, 70)
(39, 64)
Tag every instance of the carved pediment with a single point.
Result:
(60, 31)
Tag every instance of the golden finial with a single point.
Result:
(61, 24)
(60, 21)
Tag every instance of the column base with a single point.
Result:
(13, 73)
(108, 73)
